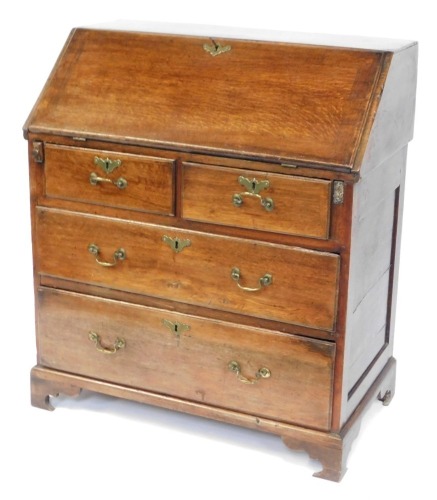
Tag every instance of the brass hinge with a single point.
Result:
(38, 151)
(338, 192)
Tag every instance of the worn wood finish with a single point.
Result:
(298, 390)
(42, 389)
(224, 103)
(190, 309)
(304, 283)
(376, 230)
(186, 126)
(149, 181)
(329, 448)
(300, 206)
(392, 121)
(332, 450)
(251, 163)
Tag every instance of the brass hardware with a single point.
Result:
(216, 48)
(119, 254)
(38, 151)
(82, 139)
(338, 192)
(118, 344)
(386, 398)
(121, 183)
(234, 367)
(253, 188)
(265, 280)
(176, 244)
(176, 328)
(288, 165)
(106, 164)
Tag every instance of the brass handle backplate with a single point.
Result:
(118, 344)
(253, 188)
(119, 254)
(121, 182)
(234, 366)
(264, 281)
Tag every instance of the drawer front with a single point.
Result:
(192, 361)
(257, 200)
(108, 178)
(249, 277)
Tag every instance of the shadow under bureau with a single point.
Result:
(216, 225)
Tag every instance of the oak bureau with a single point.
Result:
(216, 225)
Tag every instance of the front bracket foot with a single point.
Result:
(42, 387)
(331, 449)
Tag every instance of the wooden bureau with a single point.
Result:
(216, 226)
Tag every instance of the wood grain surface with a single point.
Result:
(149, 188)
(300, 206)
(262, 99)
(192, 364)
(304, 282)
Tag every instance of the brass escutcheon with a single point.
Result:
(176, 244)
(106, 164)
(176, 328)
(215, 48)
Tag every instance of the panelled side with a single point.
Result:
(376, 212)
(375, 233)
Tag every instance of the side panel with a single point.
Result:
(377, 213)
(376, 231)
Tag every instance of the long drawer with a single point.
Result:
(254, 371)
(277, 282)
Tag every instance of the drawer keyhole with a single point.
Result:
(176, 244)
(175, 327)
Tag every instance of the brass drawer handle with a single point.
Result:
(265, 280)
(234, 366)
(253, 188)
(121, 183)
(119, 254)
(118, 344)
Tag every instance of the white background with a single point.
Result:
(97, 447)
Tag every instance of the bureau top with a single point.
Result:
(281, 101)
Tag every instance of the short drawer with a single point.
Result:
(257, 200)
(254, 278)
(254, 371)
(109, 178)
